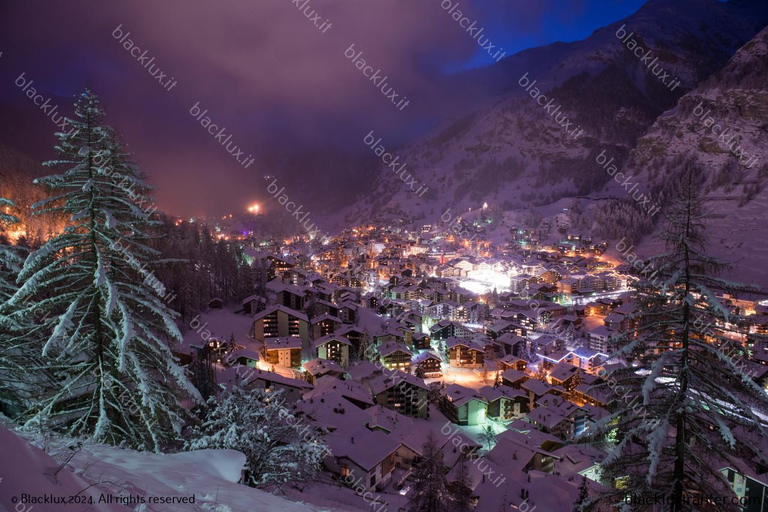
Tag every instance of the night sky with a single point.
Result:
(277, 81)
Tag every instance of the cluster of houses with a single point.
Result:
(380, 345)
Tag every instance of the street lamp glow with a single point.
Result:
(253, 208)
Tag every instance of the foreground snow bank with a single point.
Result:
(25, 469)
(208, 477)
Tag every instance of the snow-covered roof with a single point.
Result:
(243, 352)
(389, 380)
(278, 307)
(390, 347)
(363, 370)
(282, 342)
(564, 371)
(538, 387)
(491, 393)
(459, 395)
(331, 337)
(420, 358)
(319, 366)
(245, 375)
(364, 447)
(325, 316)
(349, 389)
(546, 417)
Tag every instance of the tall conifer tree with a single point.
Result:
(105, 331)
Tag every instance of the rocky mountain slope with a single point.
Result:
(722, 127)
(525, 150)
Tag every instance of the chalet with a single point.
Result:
(362, 458)
(420, 341)
(251, 378)
(537, 389)
(447, 329)
(253, 304)
(324, 325)
(588, 394)
(599, 339)
(395, 356)
(511, 343)
(446, 310)
(513, 378)
(353, 391)
(285, 351)
(464, 354)
(411, 319)
(401, 392)
(322, 307)
(244, 357)
(581, 459)
(317, 368)
(290, 296)
(505, 403)
(547, 343)
(215, 303)
(576, 414)
(401, 428)
(333, 347)
(278, 265)
(295, 277)
(588, 360)
(501, 327)
(279, 321)
(550, 359)
(354, 334)
(427, 365)
(348, 312)
(463, 406)
(565, 375)
(550, 422)
(511, 362)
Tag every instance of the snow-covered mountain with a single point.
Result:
(721, 126)
(516, 153)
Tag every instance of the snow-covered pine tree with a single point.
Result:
(12, 371)
(583, 498)
(278, 448)
(460, 490)
(104, 331)
(683, 407)
(10, 262)
(430, 488)
(366, 348)
(488, 436)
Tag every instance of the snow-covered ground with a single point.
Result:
(99, 473)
